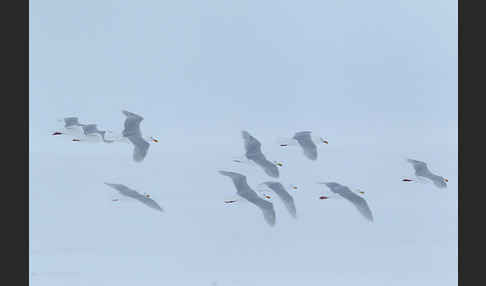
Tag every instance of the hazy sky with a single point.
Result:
(377, 79)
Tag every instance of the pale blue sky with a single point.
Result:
(378, 79)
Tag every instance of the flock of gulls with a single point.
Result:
(131, 134)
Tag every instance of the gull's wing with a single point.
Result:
(307, 144)
(252, 145)
(71, 121)
(93, 129)
(253, 152)
(357, 201)
(244, 191)
(267, 209)
(90, 129)
(140, 149)
(419, 167)
(124, 190)
(270, 168)
(132, 124)
(284, 195)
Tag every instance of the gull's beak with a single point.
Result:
(155, 140)
(57, 133)
(446, 180)
(324, 141)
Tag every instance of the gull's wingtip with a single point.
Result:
(128, 113)
(245, 134)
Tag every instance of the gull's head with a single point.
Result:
(153, 139)
(446, 180)
(324, 141)
(278, 163)
(57, 133)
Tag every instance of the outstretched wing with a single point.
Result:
(252, 145)
(140, 149)
(308, 146)
(419, 167)
(132, 124)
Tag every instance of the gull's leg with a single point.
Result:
(243, 160)
(286, 142)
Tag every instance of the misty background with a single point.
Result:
(377, 79)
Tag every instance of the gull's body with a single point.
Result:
(243, 190)
(421, 170)
(125, 191)
(133, 134)
(286, 198)
(356, 200)
(253, 152)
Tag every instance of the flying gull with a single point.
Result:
(253, 152)
(306, 141)
(352, 197)
(145, 199)
(286, 198)
(243, 190)
(134, 135)
(421, 170)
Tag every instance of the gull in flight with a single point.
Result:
(253, 152)
(284, 196)
(132, 134)
(92, 134)
(307, 143)
(244, 191)
(358, 201)
(422, 171)
(144, 199)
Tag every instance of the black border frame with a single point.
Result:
(15, 207)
